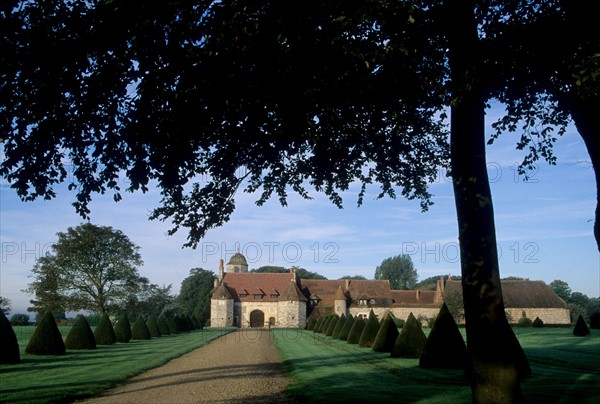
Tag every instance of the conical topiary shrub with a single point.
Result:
(339, 326)
(537, 323)
(411, 341)
(331, 325)
(445, 347)
(172, 324)
(323, 328)
(104, 334)
(152, 324)
(581, 329)
(163, 327)
(123, 329)
(310, 324)
(386, 336)
(595, 320)
(318, 324)
(356, 331)
(346, 328)
(46, 339)
(9, 346)
(369, 332)
(139, 330)
(81, 335)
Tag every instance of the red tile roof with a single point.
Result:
(271, 287)
(416, 298)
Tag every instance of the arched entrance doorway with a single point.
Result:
(257, 318)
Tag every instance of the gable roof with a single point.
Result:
(414, 298)
(326, 290)
(272, 287)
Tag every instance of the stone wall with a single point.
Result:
(221, 312)
(292, 314)
(269, 310)
(550, 316)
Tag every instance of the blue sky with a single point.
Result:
(544, 228)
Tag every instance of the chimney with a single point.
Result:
(293, 272)
(418, 295)
(221, 270)
(347, 283)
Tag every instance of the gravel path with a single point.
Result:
(242, 366)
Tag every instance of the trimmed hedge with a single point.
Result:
(386, 336)
(9, 346)
(163, 327)
(139, 330)
(331, 326)
(123, 329)
(537, 323)
(310, 325)
(581, 329)
(46, 339)
(104, 334)
(152, 324)
(323, 328)
(172, 324)
(339, 326)
(445, 347)
(411, 341)
(346, 328)
(356, 331)
(318, 324)
(369, 332)
(80, 336)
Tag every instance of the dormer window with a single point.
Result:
(243, 294)
(258, 297)
(362, 302)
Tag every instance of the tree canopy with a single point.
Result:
(399, 270)
(194, 296)
(301, 273)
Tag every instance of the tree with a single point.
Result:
(195, 292)
(94, 267)
(19, 319)
(301, 273)
(5, 305)
(399, 270)
(355, 277)
(45, 287)
(562, 289)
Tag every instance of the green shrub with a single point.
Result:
(123, 329)
(9, 346)
(595, 320)
(172, 324)
(411, 341)
(346, 328)
(318, 324)
(80, 336)
(369, 332)
(139, 330)
(19, 319)
(399, 322)
(104, 334)
(537, 323)
(163, 327)
(581, 329)
(310, 325)
(338, 327)
(325, 324)
(331, 326)
(152, 324)
(46, 339)
(445, 347)
(386, 336)
(356, 331)
(524, 322)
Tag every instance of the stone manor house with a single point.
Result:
(245, 299)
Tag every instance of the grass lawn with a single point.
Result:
(82, 373)
(565, 369)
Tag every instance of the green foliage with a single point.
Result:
(318, 324)
(354, 277)
(9, 346)
(301, 273)
(338, 327)
(19, 319)
(123, 329)
(322, 328)
(595, 320)
(411, 341)
(46, 339)
(399, 270)
(81, 335)
(386, 336)
(399, 322)
(310, 325)
(369, 332)
(331, 325)
(345, 331)
(445, 347)
(581, 329)
(524, 322)
(172, 324)
(5, 306)
(356, 331)
(104, 334)
(152, 324)
(537, 323)
(562, 289)
(163, 327)
(139, 330)
(195, 293)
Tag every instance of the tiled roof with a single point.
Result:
(327, 289)
(271, 287)
(413, 298)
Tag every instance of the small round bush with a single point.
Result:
(81, 335)
(581, 329)
(386, 336)
(9, 346)
(139, 330)
(152, 324)
(163, 327)
(537, 323)
(104, 334)
(356, 331)
(445, 347)
(46, 339)
(411, 341)
(346, 328)
(331, 326)
(123, 329)
(338, 327)
(524, 322)
(369, 332)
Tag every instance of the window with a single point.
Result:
(258, 297)
(243, 294)
(272, 296)
(362, 302)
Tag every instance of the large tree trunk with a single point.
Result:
(585, 114)
(496, 360)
